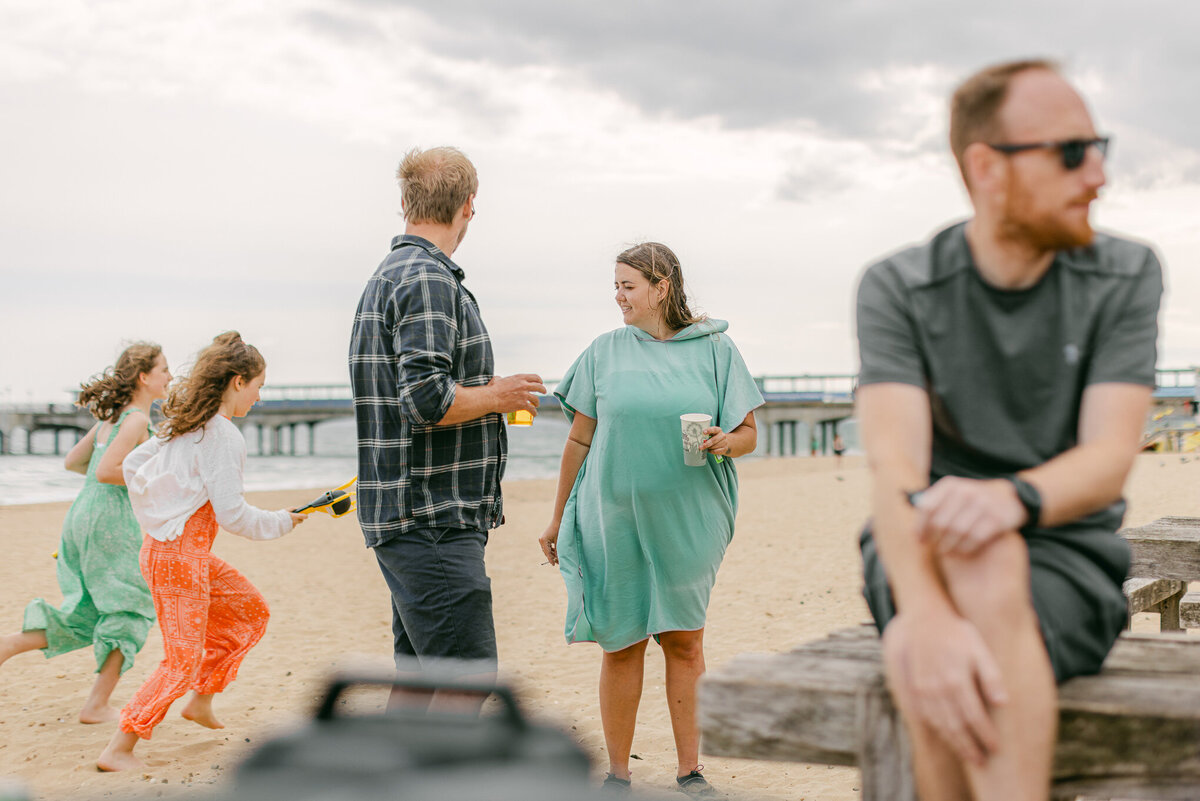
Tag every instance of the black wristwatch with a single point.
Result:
(1029, 497)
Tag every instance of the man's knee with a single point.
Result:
(992, 586)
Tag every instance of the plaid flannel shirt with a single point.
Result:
(417, 334)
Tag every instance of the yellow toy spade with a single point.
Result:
(335, 502)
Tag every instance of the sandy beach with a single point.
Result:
(791, 575)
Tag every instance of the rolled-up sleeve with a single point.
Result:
(424, 335)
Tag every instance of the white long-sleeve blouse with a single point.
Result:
(169, 480)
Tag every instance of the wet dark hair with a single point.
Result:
(657, 262)
(106, 394)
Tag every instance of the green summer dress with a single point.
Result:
(106, 603)
(642, 534)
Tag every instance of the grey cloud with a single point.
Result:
(806, 182)
(343, 28)
(782, 61)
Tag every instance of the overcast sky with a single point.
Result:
(174, 169)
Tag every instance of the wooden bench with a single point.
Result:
(1132, 732)
(1161, 596)
(1168, 549)
(1189, 610)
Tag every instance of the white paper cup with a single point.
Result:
(693, 435)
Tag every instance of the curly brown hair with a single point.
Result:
(196, 399)
(657, 262)
(107, 393)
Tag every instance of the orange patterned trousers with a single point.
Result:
(209, 614)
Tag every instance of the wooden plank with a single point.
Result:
(1138, 653)
(884, 751)
(1154, 654)
(1189, 610)
(1144, 594)
(793, 707)
(1168, 548)
(1160, 596)
(1130, 727)
(1164, 789)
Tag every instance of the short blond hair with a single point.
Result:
(975, 105)
(435, 183)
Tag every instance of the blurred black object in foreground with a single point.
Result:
(407, 754)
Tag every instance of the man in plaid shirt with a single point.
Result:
(431, 441)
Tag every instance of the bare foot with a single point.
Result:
(115, 759)
(99, 714)
(199, 710)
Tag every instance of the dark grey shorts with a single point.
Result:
(1076, 573)
(441, 600)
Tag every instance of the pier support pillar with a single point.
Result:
(312, 439)
(292, 439)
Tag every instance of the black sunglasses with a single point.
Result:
(1072, 151)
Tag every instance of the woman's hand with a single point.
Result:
(549, 543)
(297, 518)
(716, 441)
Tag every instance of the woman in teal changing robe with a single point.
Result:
(637, 535)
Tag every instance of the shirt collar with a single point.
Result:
(431, 249)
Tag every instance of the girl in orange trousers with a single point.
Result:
(183, 484)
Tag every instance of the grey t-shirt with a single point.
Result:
(1005, 370)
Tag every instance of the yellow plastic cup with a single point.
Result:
(520, 418)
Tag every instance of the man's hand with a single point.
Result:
(517, 392)
(941, 674)
(961, 515)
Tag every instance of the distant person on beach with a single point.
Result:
(638, 536)
(183, 484)
(839, 448)
(431, 438)
(106, 604)
(1007, 367)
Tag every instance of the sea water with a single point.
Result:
(533, 452)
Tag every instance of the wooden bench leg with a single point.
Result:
(884, 757)
(1168, 611)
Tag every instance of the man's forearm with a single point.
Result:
(1080, 481)
(896, 431)
(1090, 476)
(470, 403)
(911, 566)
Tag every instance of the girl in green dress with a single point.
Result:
(638, 535)
(106, 603)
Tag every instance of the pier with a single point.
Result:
(802, 414)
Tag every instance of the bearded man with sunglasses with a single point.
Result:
(1007, 369)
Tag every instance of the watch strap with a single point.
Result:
(1029, 497)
